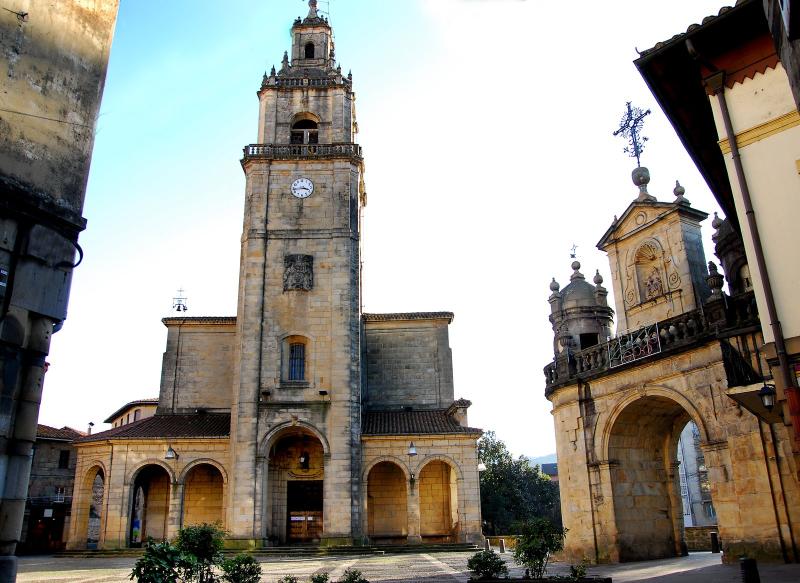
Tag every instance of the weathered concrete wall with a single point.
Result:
(409, 363)
(55, 60)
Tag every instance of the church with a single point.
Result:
(301, 419)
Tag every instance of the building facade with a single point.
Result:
(684, 351)
(301, 419)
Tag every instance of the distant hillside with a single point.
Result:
(543, 459)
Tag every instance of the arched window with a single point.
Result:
(297, 361)
(309, 50)
(137, 414)
(305, 131)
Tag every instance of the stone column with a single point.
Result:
(414, 535)
(175, 513)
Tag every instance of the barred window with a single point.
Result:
(297, 361)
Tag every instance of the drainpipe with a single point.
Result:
(716, 83)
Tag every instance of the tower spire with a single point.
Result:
(312, 9)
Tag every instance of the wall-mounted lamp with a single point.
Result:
(481, 467)
(171, 454)
(412, 451)
(413, 478)
(767, 396)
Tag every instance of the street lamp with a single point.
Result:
(171, 454)
(767, 396)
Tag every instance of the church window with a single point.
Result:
(297, 361)
(589, 339)
(137, 414)
(309, 50)
(305, 131)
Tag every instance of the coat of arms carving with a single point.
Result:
(298, 272)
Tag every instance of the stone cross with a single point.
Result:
(630, 127)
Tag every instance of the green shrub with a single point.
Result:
(201, 544)
(320, 578)
(160, 563)
(539, 539)
(289, 579)
(352, 576)
(487, 565)
(241, 569)
(578, 572)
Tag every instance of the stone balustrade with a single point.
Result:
(719, 319)
(296, 151)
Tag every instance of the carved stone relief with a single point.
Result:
(298, 272)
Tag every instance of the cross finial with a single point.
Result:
(630, 127)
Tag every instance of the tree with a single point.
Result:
(513, 491)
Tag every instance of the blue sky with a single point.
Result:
(486, 127)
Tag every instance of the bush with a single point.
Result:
(487, 565)
(578, 572)
(288, 579)
(202, 545)
(539, 539)
(241, 569)
(352, 576)
(161, 563)
(320, 578)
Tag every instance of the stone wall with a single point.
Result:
(387, 502)
(197, 365)
(698, 538)
(408, 363)
(435, 500)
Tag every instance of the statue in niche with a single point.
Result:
(652, 285)
(298, 273)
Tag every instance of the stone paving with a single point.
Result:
(402, 568)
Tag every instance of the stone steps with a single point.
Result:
(302, 551)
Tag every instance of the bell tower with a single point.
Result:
(298, 367)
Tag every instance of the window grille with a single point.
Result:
(297, 361)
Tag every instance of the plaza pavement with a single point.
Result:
(404, 568)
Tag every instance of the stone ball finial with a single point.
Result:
(554, 285)
(641, 178)
(598, 279)
(679, 191)
(717, 222)
(576, 265)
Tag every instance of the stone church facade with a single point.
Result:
(301, 419)
(684, 351)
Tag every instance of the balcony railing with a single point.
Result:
(718, 320)
(296, 151)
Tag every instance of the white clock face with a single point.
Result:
(302, 187)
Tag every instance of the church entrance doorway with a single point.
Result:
(643, 448)
(150, 507)
(304, 503)
(295, 487)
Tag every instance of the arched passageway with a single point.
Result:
(150, 507)
(87, 511)
(295, 486)
(645, 479)
(95, 516)
(438, 502)
(387, 503)
(203, 496)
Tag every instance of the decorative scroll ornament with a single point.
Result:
(298, 272)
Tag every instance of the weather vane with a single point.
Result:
(630, 127)
(179, 302)
(573, 253)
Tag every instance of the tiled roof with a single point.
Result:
(412, 423)
(693, 27)
(409, 316)
(126, 406)
(65, 433)
(197, 425)
(199, 320)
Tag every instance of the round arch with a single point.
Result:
(606, 429)
(385, 458)
(269, 439)
(208, 461)
(442, 458)
(305, 116)
(134, 472)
